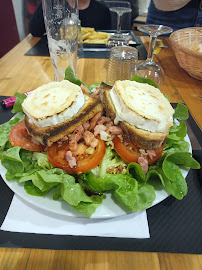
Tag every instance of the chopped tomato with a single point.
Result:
(56, 156)
(130, 152)
(20, 137)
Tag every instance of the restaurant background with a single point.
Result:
(16, 14)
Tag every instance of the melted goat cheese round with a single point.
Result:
(60, 117)
(123, 113)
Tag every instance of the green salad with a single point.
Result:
(85, 192)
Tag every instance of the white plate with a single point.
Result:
(108, 209)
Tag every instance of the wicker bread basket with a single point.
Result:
(184, 43)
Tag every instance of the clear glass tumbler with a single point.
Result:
(62, 25)
(122, 63)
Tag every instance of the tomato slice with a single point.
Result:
(56, 156)
(130, 152)
(20, 137)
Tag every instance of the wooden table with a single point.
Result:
(23, 73)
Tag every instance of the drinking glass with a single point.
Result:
(122, 63)
(61, 21)
(118, 39)
(149, 68)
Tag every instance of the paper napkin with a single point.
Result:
(24, 217)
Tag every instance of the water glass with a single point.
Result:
(122, 63)
(62, 25)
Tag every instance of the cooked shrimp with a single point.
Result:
(109, 124)
(115, 130)
(77, 134)
(73, 146)
(64, 139)
(70, 159)
(151, 153)
(143, 163)
(98, 128)
(88, 137)
(103, 120)
(94, 120)
(86, 125)
(94, 143)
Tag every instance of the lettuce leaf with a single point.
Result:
(145, 197)
(181, 112)
(12, 161)
(140, 79)
(5, 130)
(19, 164)
(18, 102)
(42, 160)
(182, 158)
(168, 172)
(178, 184)
(173, 146)
(154, 174)
(123, 187)
(91, 87)
(69, 75)
(170, 175)
(135, 170)
(88, 208)
(45, 181)
(175, 141)
(31, 189)
(178, 132)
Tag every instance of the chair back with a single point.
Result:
(126, 17)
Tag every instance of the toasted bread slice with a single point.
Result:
(142, 138)
(48, 135)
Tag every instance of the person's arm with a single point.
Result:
(36, 25)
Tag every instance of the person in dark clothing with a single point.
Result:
(92, 14)
(175, 14)
(29, 7)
